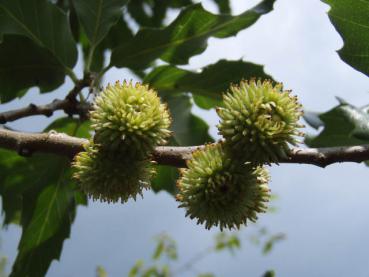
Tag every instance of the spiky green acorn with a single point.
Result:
(259, 121)
(218, 191)
(130, 119)
(111, 177)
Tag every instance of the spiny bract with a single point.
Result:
(130, 119)
(220, 192)
(111, 177)
(259, 121)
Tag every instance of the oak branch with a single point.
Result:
(61, 144)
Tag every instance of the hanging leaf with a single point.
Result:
(187, 128)
(42, 22)
(46, 199)
(24, 64)
(184, 37)
(118, 34)
(98, 16)
(165, 179)
(351, 20)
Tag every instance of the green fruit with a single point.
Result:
(218, 191)
(111, 177)
(259, 121)
(130, 119)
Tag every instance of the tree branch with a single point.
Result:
(69, 107)
(62, 144)
(87, 80)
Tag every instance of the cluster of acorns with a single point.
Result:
(225, 184)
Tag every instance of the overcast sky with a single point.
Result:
(324, 212)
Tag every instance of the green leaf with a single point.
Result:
(42, 22)
(227, 241)
(223, 5)
(165, 179)
(135, 270)
(209, 84)
(312, 118)
(351, 20)
(10, 188)
(269, 273)
(188, 129)
(98, 16)
(269, 244)
(47, 216)
(184, 37)
(3, 262)
(158, 250)
(344, 125)
(101, 272)
(118, 34)
(41, 191)
(152, 13)
(24, 64)
(158, 9)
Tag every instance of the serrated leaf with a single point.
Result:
(43, 23)
(98, 16)
(209, 84)
(24, 64)
(185, 37)
(312, 118)
(344, 125)
(351, 20)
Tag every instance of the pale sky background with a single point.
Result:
(324, 212)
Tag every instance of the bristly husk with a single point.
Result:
(111, 177)
(130, 119)
(259, 121)
(218, 191)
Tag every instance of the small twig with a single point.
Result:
(66, 105)
(62, 144)
(70, 105)
(87, 80)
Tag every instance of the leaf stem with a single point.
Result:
(71, 74)
(102, 72)
(89, 58)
